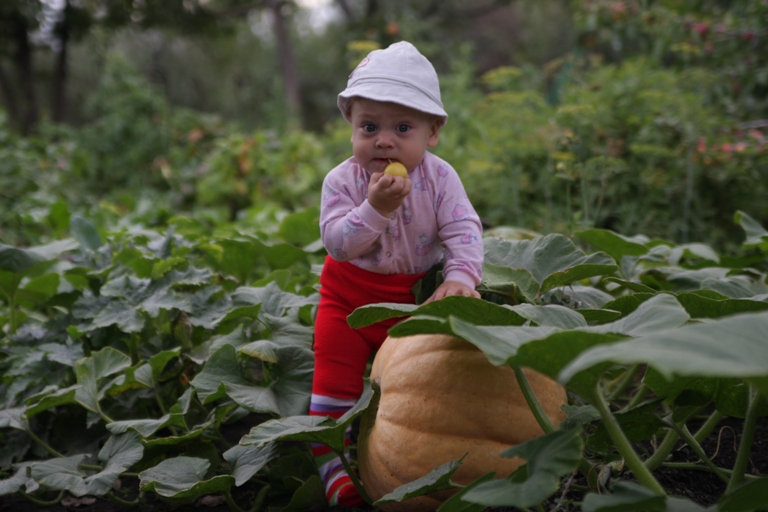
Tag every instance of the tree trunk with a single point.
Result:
(287, 61)
(58, 101)
(10, 99)
(23, 62)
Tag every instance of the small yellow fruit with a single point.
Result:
(396, 169)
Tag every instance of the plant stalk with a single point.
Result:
(45, 445)
(624, 382)
(633, 461)
(43, 503)
(353, 476)
(231, 502)
(708, 426)
(745, 446)
(694, 444)
(585, 465)
(533, 402)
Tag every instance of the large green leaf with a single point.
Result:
(757, 235)
(118, 454)
(248, 460)
(629, 496)
(746, 498)
(301, 228)
(615, 245)
(547, 457)
(222, 368)
(538, 265)
(439, 479)
(318, 429)
(708, 304)
(473, 310)
(733, 346)
(19, 261)
(183, 478)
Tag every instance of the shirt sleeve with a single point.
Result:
(460, 230)
(349, 225)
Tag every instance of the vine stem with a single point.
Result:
(633, 461)
(43, 503)
(45, 445)
(585, 466)
(708, 426)
(694, 444)
(231, 502)
(353, 476)
(533, 403)
(747, 436)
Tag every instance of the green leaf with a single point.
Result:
(222, 368)
(61, 474)
(500, 344)
(615, 245)
(19, 261)
(470, 309)
(85, 232)
(629, 496)
(733, 346)
(183, 477)
(539, 265)
(757, 235)
(318, 429)
(746, 498)
(456, 502)
(248, 460)
(439, 479)
(701, 304)
(147, 427)
(547, 457)
(551, 316)
(658, 313)
(13, 418)
(301, 228)
(118, 454)
(16, 482)
(310, 495)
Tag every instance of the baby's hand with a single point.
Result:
(386, 192)
(449, 288)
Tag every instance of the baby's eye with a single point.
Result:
(402, 128)
(368, 127)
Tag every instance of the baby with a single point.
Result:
(383, 232)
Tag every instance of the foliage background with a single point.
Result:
(160, 164)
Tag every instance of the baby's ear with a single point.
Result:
(434, 133)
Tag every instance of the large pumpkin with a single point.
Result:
(439, 399)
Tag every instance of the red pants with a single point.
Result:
(341, 352)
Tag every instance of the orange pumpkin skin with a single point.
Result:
(440, 398)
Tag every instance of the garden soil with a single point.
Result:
(699, 486)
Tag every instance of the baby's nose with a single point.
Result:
(384, 140)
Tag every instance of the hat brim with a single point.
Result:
(391, 92)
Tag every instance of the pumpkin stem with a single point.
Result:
(632, 459)
(747, 435)
(533, 403)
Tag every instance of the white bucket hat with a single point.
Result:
(399, 74)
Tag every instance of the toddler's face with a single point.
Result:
(387, 131)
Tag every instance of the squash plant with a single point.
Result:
(155, 344)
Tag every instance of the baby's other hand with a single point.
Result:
(386, 192)
(449, 288)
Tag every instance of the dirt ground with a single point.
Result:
(699, 486)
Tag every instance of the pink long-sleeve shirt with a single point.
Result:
(435, 222)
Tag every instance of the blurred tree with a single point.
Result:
(28, 27)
